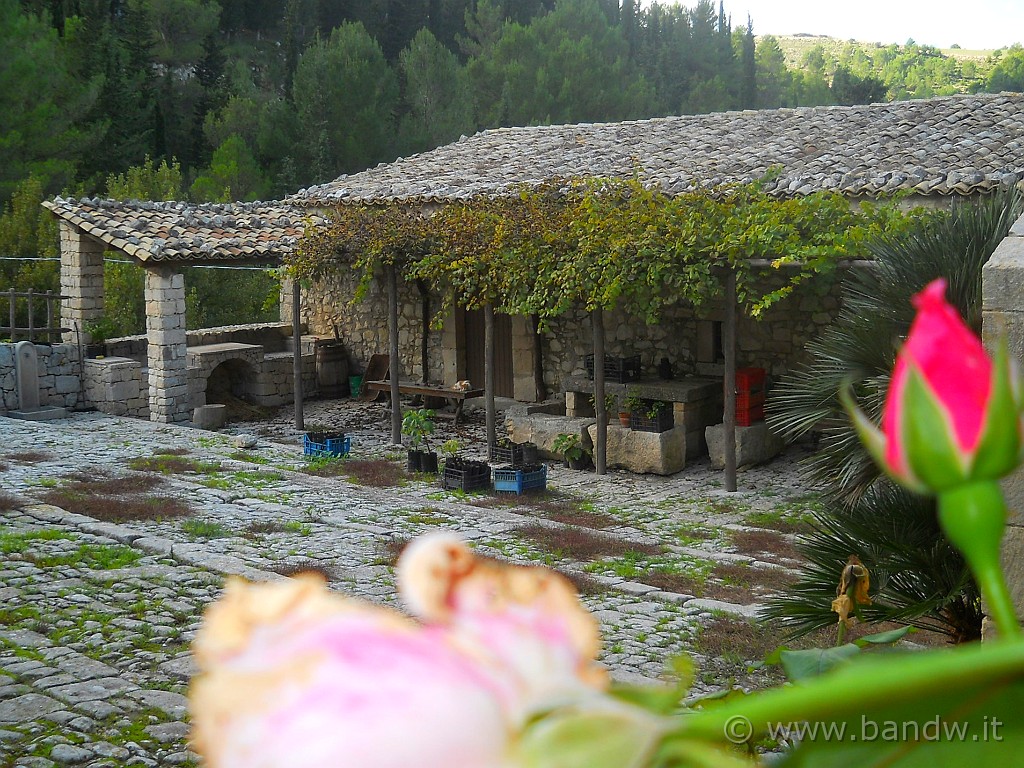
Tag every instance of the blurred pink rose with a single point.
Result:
(292, 675)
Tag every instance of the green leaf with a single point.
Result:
(884, 638)
(591, 737)
(800, 665)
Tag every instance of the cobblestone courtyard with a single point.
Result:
(116, 533)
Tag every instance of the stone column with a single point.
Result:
(169, 397)
(1003, 316)
(81, 280)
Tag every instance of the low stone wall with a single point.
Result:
(273, 337)
(117, 385)
(59, 376)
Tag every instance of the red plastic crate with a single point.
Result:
(749, 379)
(747, 400)
(747, 416)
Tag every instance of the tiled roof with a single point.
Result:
(942, 146)
(172, 231)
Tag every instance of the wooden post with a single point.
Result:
(49, 316)
(31, 324)
(601, 444)
(396, 368)
(729, 415)
(300, 422)
(491, 416)
(538, 358)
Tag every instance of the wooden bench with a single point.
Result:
(427, 390)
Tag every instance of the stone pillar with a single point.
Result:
(523, 341)
(1003, 316)
(169, 397)
(81, 280)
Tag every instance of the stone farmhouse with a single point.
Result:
(933, 150)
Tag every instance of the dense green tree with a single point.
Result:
(345, 97)
(41, 129)
(847, 88)
(181, 27)
(569, 65)
(234, 174)
(774, 80)
(1008, 74)
(436, 97)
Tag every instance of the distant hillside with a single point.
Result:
(796, 46)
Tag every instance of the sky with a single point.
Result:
(941, 23)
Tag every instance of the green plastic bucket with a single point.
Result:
(355, 383)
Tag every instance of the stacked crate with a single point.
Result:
(750, 389)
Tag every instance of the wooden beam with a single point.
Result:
(601, 444)
(491, 414)
(300, 423)
(729, 383)
(396, 368)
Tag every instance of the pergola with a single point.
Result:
(164, 237)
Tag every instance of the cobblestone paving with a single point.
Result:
(96, 616)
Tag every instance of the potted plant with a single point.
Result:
(632, 404)
(610, 404)
(652, 416)
(450, 449)
(463, 474)
(416, 425)
(572, 450)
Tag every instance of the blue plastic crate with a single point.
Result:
(517, 481)
(331, 446)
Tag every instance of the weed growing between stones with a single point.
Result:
(764, 542)
(117, 509)
(389, 550)
(10, 501)
(171, 451)
(101, 483)
(251, 458)
(278, 526)
(206, 529)
(782, 519)
(375, 473)
(29, 457)
(172, 464)
(582, 544)
(427, 516)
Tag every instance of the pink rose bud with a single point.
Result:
(294, 675)
(951, 415)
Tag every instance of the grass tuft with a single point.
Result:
(306, 566)
(117, 509)
(29, 457)
(206, 529)
(580, 543)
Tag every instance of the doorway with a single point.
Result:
(473, 336)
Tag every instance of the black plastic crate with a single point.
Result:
(511, 454)
(662, 421)
(617, 369)
(470, 479)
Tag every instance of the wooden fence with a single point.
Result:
(25, 319)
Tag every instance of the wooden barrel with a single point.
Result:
(332, 369)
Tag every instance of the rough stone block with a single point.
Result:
(755, 444)
(542, 429)
(656, 453)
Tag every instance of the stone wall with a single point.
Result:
(59, 376)
(273, 337)
(117, 385)
(774, 342)
(363, 326)
(1003, 317)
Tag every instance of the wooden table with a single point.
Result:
(428, 390)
